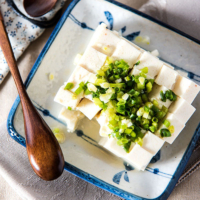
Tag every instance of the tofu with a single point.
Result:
(105, 130)
(111, 145)
(127, 52)
(153, 63)
(138, 157)
(64, 97)
(104, 40)
(100, 118)
(155, 94)
(137, 72)
(79, 75)
(88, 108)
(178, 127)
(182, 110)
(186, 89)
(71, 118)
(92, 60)
(166, 77)
(152, 143)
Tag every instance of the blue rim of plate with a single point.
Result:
(74, 170)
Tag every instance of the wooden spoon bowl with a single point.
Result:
(37, 8)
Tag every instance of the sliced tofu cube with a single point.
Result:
(155, 94)
(71, 118)
(92, 60)
(182, 110)
(101, 118)
(111, 145)
(105, 130)
(138, 157)
(79, 75)
(178, 127)
(186, 89)
(153, 63)
(166, 77)
(104, 40)
(88, 108)
(127, 52)
(64, 97)
(137, 72)
(152, 143)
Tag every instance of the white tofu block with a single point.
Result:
(153, 63)
(104, 37)
(111, 145)
(134, 45)
(155, 94)
(166, 77)
(138, 157)
(137, 72)
(88, 108)
(182, 110)
(186, 89)
(101, 118)
(178, 127)
(92, 60)
(64, 97)
(105, 130)
(152, 143)
(127, 52)
(79, 75)
(71, 118)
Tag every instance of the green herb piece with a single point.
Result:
(69, 108)
(165, 132)
(171, 129)
(149, 87)
(69, 86)
(166, 123)
(138, 62)
(152, 129)
(145, 70)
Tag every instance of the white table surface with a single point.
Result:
(182, 14)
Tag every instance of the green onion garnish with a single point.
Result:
(165, 132)
(69, 86)
(69, 108)
(166, 123)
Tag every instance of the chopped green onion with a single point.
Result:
(163, 97)
(155, 103)
(69, 86)
(149, 87)
(69, 108)
(152, 129)
(155, 119)
(145, 70)
(87, 92)
(171, 129)
(138, 62)
(165, 132)
(100, 72)
(141, 80)
(166, 123)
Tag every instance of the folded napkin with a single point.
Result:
(20, 31)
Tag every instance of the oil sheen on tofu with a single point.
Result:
(139, 101)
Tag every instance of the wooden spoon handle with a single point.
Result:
(44, 152)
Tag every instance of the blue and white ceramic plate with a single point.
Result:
(82, 153)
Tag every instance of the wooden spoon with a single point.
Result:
(44, 152)
(37, 8)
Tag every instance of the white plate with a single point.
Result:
(82, 154)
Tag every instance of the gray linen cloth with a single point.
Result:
(14, 165)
